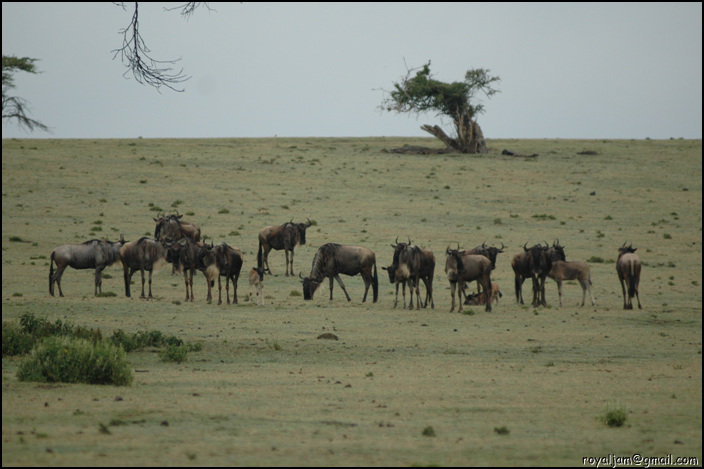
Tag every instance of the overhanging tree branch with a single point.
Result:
(135, 54)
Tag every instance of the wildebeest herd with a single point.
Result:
(177, 242)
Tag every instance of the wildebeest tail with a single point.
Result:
(375, 284)
(51, 274)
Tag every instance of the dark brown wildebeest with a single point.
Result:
(461, 268)
(419, 264)
(628, 268)
(94, 254)
(478, 299)
(171, 226)
(221, 261)
(562, 270)
(256, 283)
(490, 252)
(286, 237)
(535, 263)
(332, 259)
(141, 255)
(184, 254)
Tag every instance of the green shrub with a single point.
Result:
(614, 416)
(15, 341)
(174, 353)
(69, 360)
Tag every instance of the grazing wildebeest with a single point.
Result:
(184, 254)
(628, 267)
(256, 283)
(478, 299)
(535, 263)
(94, 254)
(332, 259)
(420, 265)
(171, 226)
(286, 237)
(227, 262)
(461, 268)
(141, 255)
(574, 270)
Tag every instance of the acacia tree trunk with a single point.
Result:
(470, 138)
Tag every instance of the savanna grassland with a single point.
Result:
(517, 386)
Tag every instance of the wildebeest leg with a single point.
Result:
(623, 290)
(429, 292)
(185, 280)
(265, 258)
(342, 285)
(486, 285)
(57, 278)
(519, 289)
(98, 280)
(219, 291)
(128, 279)
(287, 262)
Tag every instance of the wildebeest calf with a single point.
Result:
(479, 299)
(580, 271)
(256, 282)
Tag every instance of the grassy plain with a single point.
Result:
(518, 386)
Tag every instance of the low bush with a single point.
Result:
(71, 360)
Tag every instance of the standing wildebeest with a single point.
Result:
(490, 252)
(419, 264)
(628, 268)
(224, 261)
(399, 274)
(171, 226)
(256, 282)
(563, 270)
(93, 254)
(184, 254)
(141, 255)
(535, 263)
(460, 268)
(331, 260)
(286, 237)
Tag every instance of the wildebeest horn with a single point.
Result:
(502, 247)
(309, 222)
(525, 248)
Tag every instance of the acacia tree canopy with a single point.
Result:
(14, 107)
(457, 100)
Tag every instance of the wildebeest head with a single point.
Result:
(557, 252)
(310, 286)
(537, 257)
(626, 249)
(301, 228)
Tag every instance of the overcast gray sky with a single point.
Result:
(610, 70)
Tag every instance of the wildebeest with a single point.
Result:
(399, 275)
(141, 255)
(574, 270)
(628, 268)
(171, 226)
(221, 260)
(184, 254)
(419, 265)
(94, 254)
(286, 237)
(479, 299)
(460, 268)
(535, 263)
(256, 283)
(490, 252)
(332, 259)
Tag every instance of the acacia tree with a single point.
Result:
(14, 107)
(421, 93)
